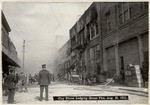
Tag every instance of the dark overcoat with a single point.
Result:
(44, 77)
(10, 81)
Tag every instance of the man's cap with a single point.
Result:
(44, 66)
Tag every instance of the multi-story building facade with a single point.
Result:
(124, 36)
(9, 53)
(85, 41)
(64, 58)
(111, 35)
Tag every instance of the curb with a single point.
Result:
(133, 90)
(112, 90)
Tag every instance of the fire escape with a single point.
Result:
(79, 49)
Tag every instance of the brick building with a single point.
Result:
(85, 42)
(9, 53)
(124, 36)
(64, 58)
(109, 36)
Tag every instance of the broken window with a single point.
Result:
(144, 5)
(81, 36)
(73, 41)
(92, 31)
(94, 52)
(108, 21)
(96, 26)
(124, 12)
(88, 31)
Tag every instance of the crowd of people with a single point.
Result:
(33, 79)
(10, 82)
(82, 78)
(14, 81)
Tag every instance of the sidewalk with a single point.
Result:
(135, 89)
(111, 88)
(117, 89)
(128, 88)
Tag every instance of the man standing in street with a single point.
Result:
(23, 82)
(30, 78)
(10, 82)
(44, 81)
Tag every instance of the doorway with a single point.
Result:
(145, 66)
(122, 71)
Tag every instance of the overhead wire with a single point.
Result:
(34, 48)
(38, 46)
(16, 25)
(22, 33)
(56, 18)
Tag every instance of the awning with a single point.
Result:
(9, 61)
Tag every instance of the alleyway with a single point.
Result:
(55, 89)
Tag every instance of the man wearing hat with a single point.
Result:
(44, 81)
(10, 82)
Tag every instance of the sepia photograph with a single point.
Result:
(75, 52)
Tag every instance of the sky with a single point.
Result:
(45, 28)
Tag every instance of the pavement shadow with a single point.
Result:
(50, 92)
(37, 98)
(23, 91)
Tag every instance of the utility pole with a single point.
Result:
(23, 54)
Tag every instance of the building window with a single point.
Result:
(81, 34)
(108, 21)
(144, 5)
(78, 39)
(124, 12)
(88, 31)
(74, 41)
(92, 29)
(94, 52)
(97, 51)
(96, 26)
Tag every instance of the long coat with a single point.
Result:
(44, 77)
(10, 81)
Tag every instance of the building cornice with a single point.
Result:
(5, 23)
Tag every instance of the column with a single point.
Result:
(117, 60)
(102, 57)
(140, 49)
(105, 66)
